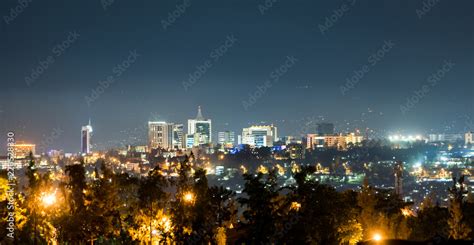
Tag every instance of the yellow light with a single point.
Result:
(188, 197)
(406, 212)
(49, 199)
(281, 170)
(295, 206)
(243, 168)
(166, 224)
(377, 237)
(262, 169)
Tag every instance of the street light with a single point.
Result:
(377, 237)
(295, 206)
(48, 199)
(188, 197)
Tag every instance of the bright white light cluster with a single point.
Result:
(405, 138)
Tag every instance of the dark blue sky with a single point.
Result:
(151, 88)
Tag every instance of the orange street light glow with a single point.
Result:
(377, 237)
(49, 199)
(188, 197)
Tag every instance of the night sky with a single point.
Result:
(102, 35)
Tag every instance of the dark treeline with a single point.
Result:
(111, 208)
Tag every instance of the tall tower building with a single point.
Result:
(178, 136)
(201, 128)
(398, 171)
(160, 135)
(86, 133)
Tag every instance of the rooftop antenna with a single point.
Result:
(199, 114)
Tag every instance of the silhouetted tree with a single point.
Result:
(260, 204)
(458, 229)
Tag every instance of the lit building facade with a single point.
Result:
(22, 151)
(260, 136)
(444, 137)
(226, 139)
(201, 128)
(354, 138)
(295, 151)
(468, 138)
(190, 141)
(86, 134)
(339, 141)
(160, 135)
(178, 136)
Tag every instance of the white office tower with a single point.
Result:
(200, 129)
(258, 136)
(86, 134)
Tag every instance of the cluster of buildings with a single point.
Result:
(326, 137)
(170, 136)
(435, 138)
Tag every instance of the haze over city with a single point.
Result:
(97, 39)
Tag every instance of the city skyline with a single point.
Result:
(140, 135)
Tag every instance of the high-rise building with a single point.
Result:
(178, 136)
(258, 136)
(160, 135)
(226, 139)
(201, 128)
(23, 150)
(86, 134)
(325, 129)
(468, 138)
(398, 172)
